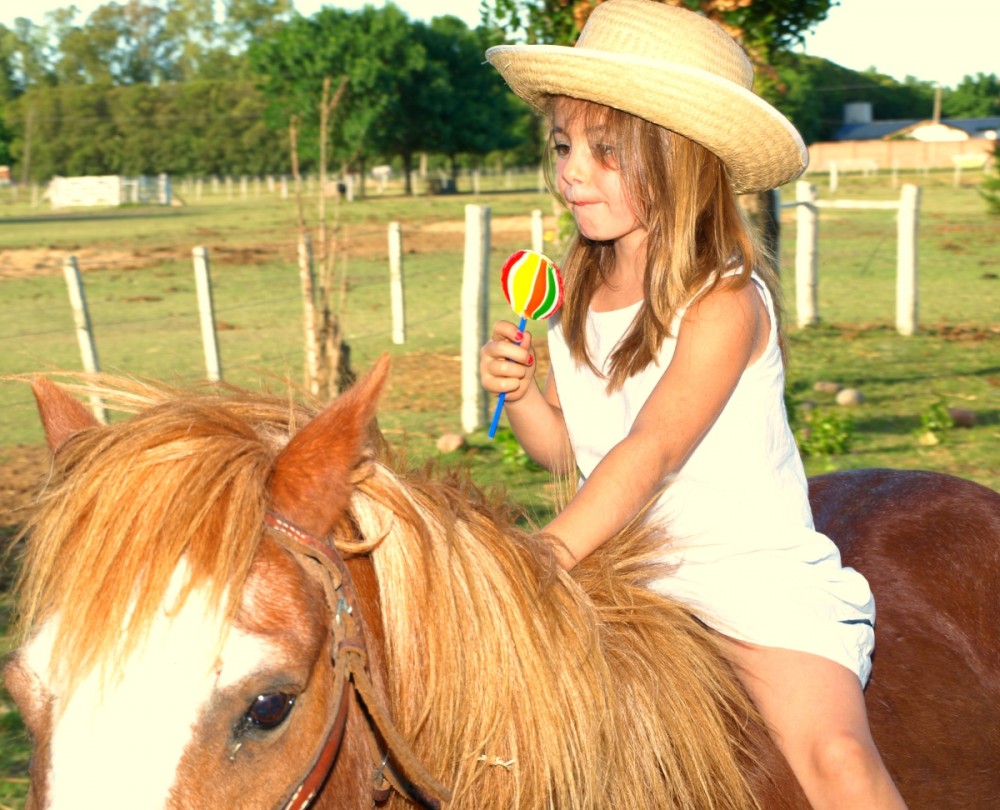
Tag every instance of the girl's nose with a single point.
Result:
(575, 166)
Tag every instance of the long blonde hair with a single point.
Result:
(681, 194)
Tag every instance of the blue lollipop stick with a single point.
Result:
(533, 288)
(503, 394)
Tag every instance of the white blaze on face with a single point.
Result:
(117, 746)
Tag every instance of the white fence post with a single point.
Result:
(834, 177)
(396, 283)
(206, 311)
(475, 314)
(537, 231)
(806, 254)
(906, 260)
(84, 330)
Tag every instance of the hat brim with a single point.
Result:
(759, 146)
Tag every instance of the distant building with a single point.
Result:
(864, 144)
(108, 190)
(859, 126)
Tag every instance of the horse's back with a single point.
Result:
(929, 545)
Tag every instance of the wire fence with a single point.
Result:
(146, 322)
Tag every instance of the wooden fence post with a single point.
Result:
(537, 231)
(906, 260)
(475, 314)
(84, 330)
(206, 311)
(396, 283)
(806, 253)
(307, 287)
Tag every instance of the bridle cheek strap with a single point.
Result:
(350, 664)
(303, 795)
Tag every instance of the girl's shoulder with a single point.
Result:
(728, 293)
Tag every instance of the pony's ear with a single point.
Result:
(310, 485)
(62, 415)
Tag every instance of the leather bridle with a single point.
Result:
(350, 664)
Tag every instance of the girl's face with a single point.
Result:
(588, 179)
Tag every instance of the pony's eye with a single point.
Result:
(269, 711)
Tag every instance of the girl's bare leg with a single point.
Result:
(816, 713)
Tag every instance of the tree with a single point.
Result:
(140, 50)
(975, 97)
(193, 24)
(469, 111)
(373, 48)
(812, 93)
(762, 25)
(199, 128)
(31, 54)
(10, 88)
(247, 20)
(11, 85)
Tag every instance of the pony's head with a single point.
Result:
(183, 645)
(175, 654)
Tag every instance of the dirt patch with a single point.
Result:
(358, 241)
(23, 471)
(30, 262)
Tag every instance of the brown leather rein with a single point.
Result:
(399, 768)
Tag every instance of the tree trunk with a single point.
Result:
(408, 172)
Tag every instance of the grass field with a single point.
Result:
(140, 288)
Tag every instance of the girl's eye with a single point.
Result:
(269, 711)
(604, 150)
(561, 149)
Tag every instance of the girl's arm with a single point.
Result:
(535, 417)
(719, 336)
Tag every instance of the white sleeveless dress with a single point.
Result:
(748, 560)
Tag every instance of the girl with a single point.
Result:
(667, 375)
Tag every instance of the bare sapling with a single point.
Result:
(327, 356)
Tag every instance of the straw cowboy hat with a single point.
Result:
(670, 66)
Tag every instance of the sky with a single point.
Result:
(928, 39)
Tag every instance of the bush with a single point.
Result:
(826, 434)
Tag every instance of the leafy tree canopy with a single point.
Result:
(762, 25)
(411, 86)
(975, 97)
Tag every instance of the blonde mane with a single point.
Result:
(525, 687)
(520, 685)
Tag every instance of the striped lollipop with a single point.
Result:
(532, 285)
(534, 289)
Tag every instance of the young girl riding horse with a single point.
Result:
(667, 375)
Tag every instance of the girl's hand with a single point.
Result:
(505, 366)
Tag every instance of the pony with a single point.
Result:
(232, 600)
